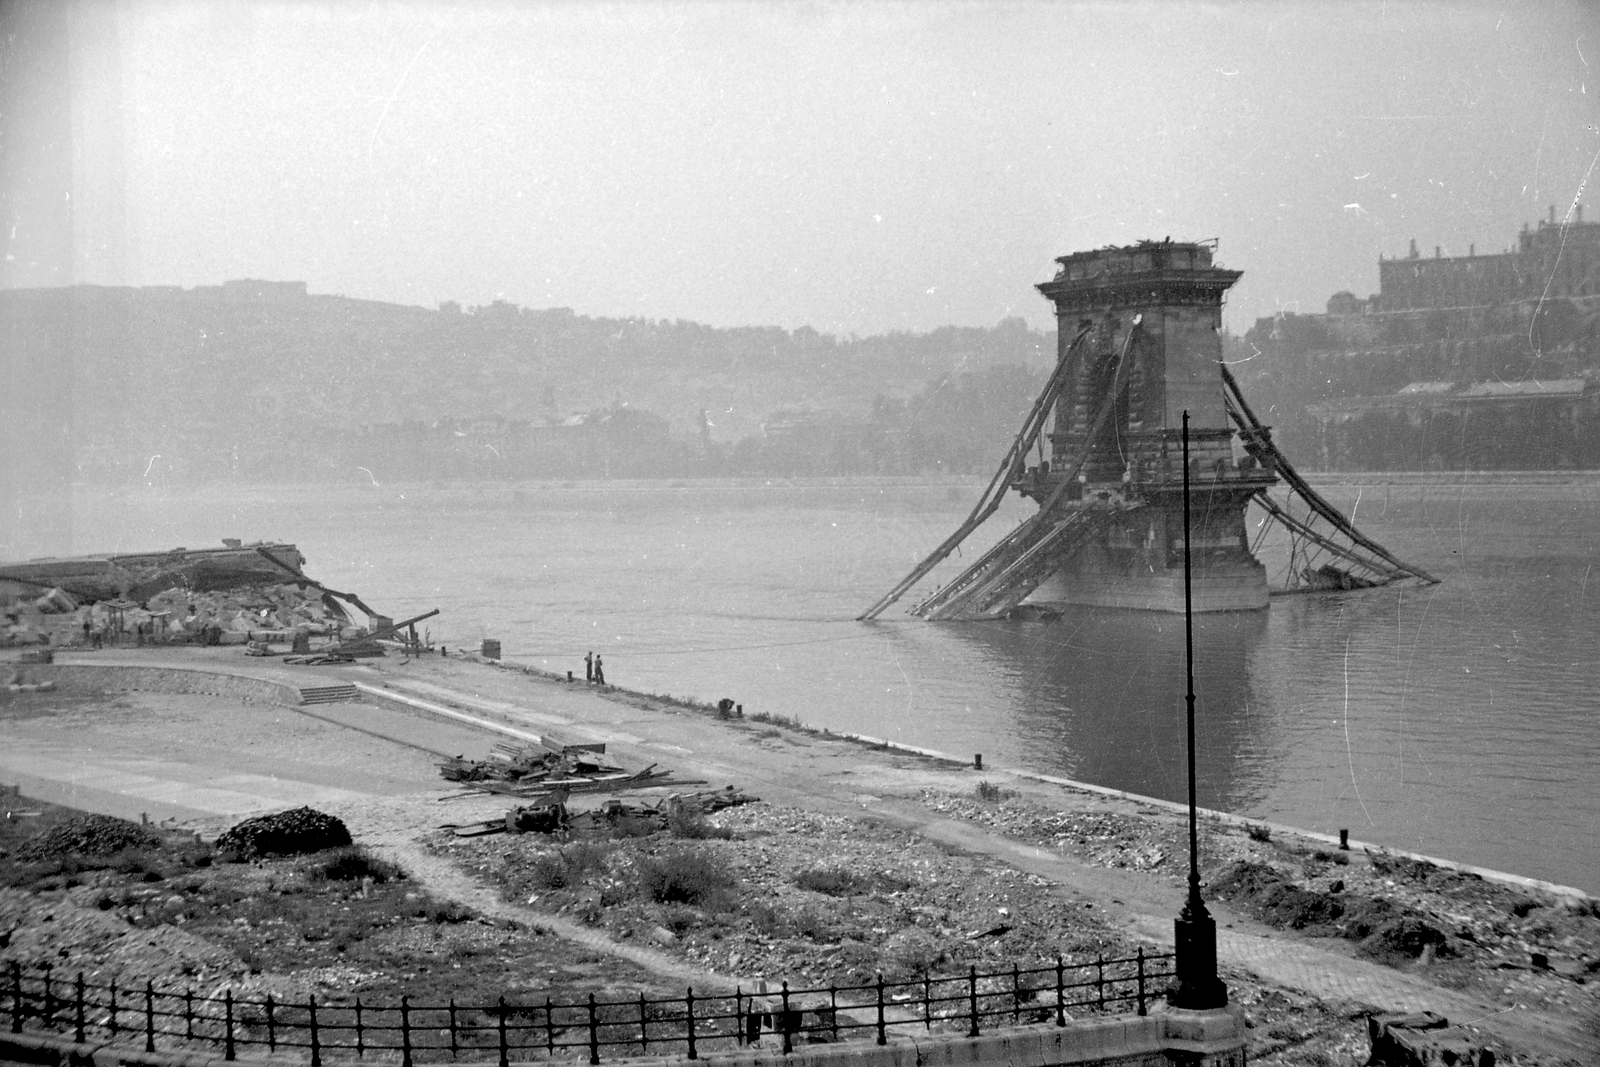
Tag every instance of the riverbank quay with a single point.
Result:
(1107, 858)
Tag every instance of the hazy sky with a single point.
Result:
(855, 167)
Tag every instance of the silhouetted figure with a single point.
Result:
(588, 668)
(599, 671)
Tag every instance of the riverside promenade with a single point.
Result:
(196, 775)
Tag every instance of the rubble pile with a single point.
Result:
(677, 811)
(268, 611)
(87, 835)
(278, 610)
(177, 595)
(287, 833)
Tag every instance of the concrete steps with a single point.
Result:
(328, 694)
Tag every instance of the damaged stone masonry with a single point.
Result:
(231, 595)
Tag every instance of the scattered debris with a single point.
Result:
(287, 833)
(1418, 1039)
(89, 835)
(553, 817)
(541, 770)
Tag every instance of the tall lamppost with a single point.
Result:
(1196, 986)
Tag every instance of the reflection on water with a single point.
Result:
(1459, 719)
(1104, 701)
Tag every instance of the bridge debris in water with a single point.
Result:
(1139, 347)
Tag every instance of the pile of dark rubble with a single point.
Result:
(286, 833)
(87, 835)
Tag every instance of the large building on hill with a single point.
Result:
(1475, 361)
(1554, 259)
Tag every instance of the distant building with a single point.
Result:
(1495, 348)
(1555, 259)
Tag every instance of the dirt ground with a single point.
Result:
(856, 862)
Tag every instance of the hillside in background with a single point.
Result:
(1475, 362)
(260, 380)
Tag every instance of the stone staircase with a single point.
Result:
(328, 694)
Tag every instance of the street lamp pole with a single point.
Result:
(1196, 986)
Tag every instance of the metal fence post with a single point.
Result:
(927, 1002)
(149, 1016)
(452, 1027)
(788, 1038)
(505, 1049)
(1100, 978)
(316, 1042)
(644, 1026)
(594, 1033)
(361, 1035)
(272, 1025)
(77, 1021)
(111, 1022)
(405, 1031)
(883, 1037)
(1141, 980)
(833, 1009)
(16, 997)
(972, 997)
(738, 1014)
(1061, 991)
(688, 1009)
(77, 1011)
(549, 1027)
(227, 1024)
(188, 1014)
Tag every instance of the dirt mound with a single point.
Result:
(1366, 915)
(1403, 939)
(1276, 899)
(87, 835)
(287, 833)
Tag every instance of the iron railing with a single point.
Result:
(40, 999)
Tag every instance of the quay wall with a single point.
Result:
(86, 679)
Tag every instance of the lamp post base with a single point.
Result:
(1196, 986)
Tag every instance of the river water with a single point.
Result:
(1458, 720)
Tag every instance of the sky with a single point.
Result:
(853, 167)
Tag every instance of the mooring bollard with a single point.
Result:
(1344, 840)
(569, 676)
(977, 762)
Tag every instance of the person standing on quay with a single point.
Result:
(588, 667)
(599, 671)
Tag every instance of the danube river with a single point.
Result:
(1458, 719)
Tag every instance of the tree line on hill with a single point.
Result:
(249, 382)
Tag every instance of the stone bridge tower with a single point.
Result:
(1132, 472)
